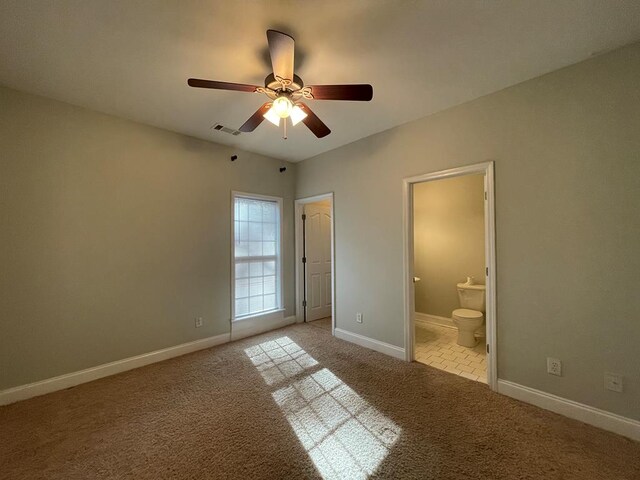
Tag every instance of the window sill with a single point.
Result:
(268, 315)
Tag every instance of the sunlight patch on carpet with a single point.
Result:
(345, 437)
(279, 359)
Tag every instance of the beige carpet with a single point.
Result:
(324, 323)
(297, 403)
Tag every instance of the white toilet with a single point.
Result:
(470, 318)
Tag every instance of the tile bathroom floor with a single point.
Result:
(436, 346)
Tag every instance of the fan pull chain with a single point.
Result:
(284, 136)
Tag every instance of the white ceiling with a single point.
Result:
(131, 58)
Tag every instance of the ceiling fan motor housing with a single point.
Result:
(272, 83)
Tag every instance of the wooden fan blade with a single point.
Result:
(239, 87)
(281, 49)
(359, 92)
(255, 119)
(312, 121)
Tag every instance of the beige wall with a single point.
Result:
(114, 236)
(566, 148)
(448, 225)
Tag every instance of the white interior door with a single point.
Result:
(318, 253)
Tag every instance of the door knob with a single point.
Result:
(416, 279)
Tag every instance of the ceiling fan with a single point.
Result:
(286, 91)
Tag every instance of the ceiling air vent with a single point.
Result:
(222, 128)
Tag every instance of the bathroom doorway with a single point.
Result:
(314, 261)
(449, 267)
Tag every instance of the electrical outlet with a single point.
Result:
(613, 382)
(199, 322)
(359, 317)
(554, 366)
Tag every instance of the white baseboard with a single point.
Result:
(578, 411)
(367, 342)
(255, 325)
(434, 320)
(241, 329)
(61, 382)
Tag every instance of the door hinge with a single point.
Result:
(304, 217)
(304, 259)
(487, 271)
(304, 303)
(485, 195)
(487, 348)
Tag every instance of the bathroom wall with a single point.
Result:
(114, 236)
(448, 240)
(567, 173)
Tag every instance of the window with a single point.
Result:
(256, 254)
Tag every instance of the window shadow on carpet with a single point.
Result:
(343, 434)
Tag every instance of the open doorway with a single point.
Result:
(315, 261)
(449, 261)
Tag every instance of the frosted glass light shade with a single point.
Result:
(282, 107)
(272, 116)
(297, 115)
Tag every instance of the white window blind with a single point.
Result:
(257, 281)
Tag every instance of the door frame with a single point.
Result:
(298, 210)
(486, 168)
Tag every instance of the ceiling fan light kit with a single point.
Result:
(286, 91)
(284, 108)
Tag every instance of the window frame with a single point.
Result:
(279, 232)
